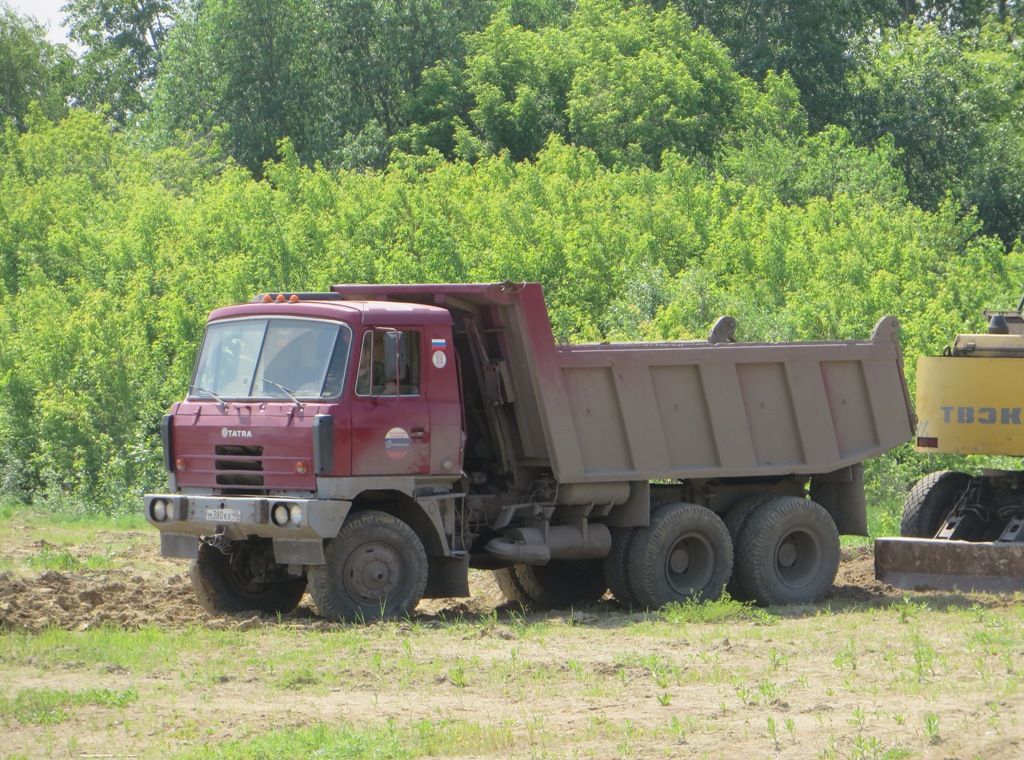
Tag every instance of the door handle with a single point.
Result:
(417, 433)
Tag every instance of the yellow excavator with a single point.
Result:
(960, 531)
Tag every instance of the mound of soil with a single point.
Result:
(87, 598)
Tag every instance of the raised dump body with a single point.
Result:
(376, 441)
(724, 410)
(682, 409)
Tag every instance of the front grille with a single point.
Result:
(239, 469)
(239, 451)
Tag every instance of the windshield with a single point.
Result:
(272, 358)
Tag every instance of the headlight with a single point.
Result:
(280, 514)
(296, 514)
(158, 509)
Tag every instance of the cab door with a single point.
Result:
(390, 411)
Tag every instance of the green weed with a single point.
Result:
(51, 706)
(931, 728)
(724, 610)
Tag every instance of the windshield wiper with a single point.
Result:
(222, 402)
(287, 392)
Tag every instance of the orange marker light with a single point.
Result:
(294, 298)
(267, 298)
(301, 467)
(280, 298)
(179, 463)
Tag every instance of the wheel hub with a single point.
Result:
(787, 554)
(373, 572)
(797, 558)
(689, 564)
(679, 562)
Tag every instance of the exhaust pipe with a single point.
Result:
(527, 546)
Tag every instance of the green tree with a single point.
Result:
(951, 102)
(953, 15)
(619, 78)
(330, 75)
(809, 39)
(31, 69)
(122, 42)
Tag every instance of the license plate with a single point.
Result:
(224, 515)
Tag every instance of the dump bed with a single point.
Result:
(688, 409)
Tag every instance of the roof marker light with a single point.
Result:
(280, 298)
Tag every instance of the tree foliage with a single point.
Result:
(952, 104)
(109, 272)
(32, 70)
(623, 80)
(806, 167)
(122, 44)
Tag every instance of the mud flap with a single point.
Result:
(926, 563)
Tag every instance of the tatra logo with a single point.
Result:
(229, 433)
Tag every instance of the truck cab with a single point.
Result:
(300, 405)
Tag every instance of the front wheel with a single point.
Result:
(375, 568)
(243, 580)
(685, 553)
(788, 552)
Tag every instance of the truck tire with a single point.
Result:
(224, 583)
(616, 562)
(930, 501)
(616, 567)
(375, 568)
(735, 519)
(788, 552)
(560, 584)
(685, 553)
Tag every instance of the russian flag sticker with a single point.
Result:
(438, 343)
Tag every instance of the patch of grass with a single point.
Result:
(145, 650)
(299, 678)
(47, 707)
(89, 522)
(61, 559)
(724, 610)
(377, 742)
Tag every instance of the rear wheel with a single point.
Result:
(684, 553)
(616, 562)
(788, 552)
(243, 579)
(930, 502)
(375, 568)
(554, 586)
(735, 519)
(616, 566)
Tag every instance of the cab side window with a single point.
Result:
(389, 363)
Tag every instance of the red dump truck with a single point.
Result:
(373, 443)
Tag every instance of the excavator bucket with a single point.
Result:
(928, 563)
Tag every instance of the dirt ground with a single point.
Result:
(157, 592)
(828, 681)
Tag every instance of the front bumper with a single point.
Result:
(183, 519)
